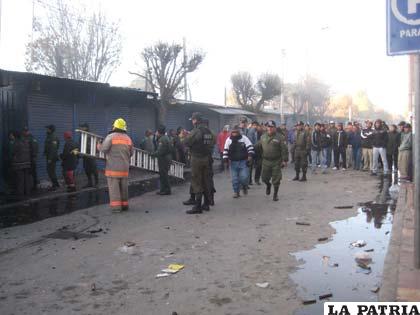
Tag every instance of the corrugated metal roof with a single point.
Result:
(231, 111)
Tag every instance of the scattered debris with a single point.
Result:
(302, 223)
(358, 243)
(129, 244)
(325, 260)
(146, 211)
(335, 265)
(167, 227)
(363, 258)
(173, 268)
(375, 289)
(308, 302)
(263, 285)
(364, 266)
(292, 219)
(387, 232)
(343, 207)
(369, 250)
(96, 231)
(322, 239)
(162, 275)
(174, 313)
(93, 287)
(325, 296)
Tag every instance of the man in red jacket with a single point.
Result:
(221, 140)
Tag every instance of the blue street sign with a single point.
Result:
(403, 27)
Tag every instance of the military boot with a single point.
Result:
(303, 179)
(198, 205)
(190, 201)
(297, 176)
(206, 204)
(276, 192)
(268, 189)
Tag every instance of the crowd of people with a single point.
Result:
(253, 152)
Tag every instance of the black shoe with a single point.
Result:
(296, 177)
(251, 183)
(124, 208)
(211, 200)
(268, 189)
(189, 202)
(276, 192)
(194, 211)
(245, 190)
(205, 207)
(303, 179)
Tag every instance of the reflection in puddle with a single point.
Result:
(331, 267)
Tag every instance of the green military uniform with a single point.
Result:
(274, 152)
(164, 155)
(51, 154)
(201, 142)
(302, 146)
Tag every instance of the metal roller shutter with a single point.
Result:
(45, 110)
(141, 118)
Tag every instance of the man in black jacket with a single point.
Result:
(316, 147)
(367, 151)
(326, 141)
(340, 142)
(379, 143)
(239, 151)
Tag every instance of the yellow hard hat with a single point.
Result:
(120, 124)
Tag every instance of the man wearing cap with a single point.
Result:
(367, 149)
(118, 149)
(273, 148)
(164, 156)
(302, 146)
(89, 163)
(201, 142)
(51, 147)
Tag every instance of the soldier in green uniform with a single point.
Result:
(273, 148)
(164, 155)
(51, 154)
(201, 142)
(302, 146)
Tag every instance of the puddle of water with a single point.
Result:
(33, 211)
(347, 281)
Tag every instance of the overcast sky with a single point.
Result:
(341, 41)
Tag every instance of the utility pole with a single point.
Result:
(0, 19)
(225, 97)
(416, 160)
(283, 55)
(185, 68)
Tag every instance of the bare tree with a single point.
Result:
(269, 86)
(243, 87)
(294, 99)
(316, 93)
(74, 45)
(253, 97)
(165, 70)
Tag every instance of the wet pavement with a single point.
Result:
(330, 267)
(56, 205)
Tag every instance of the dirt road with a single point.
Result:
(225, 252)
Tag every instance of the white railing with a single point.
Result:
(140, 158)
